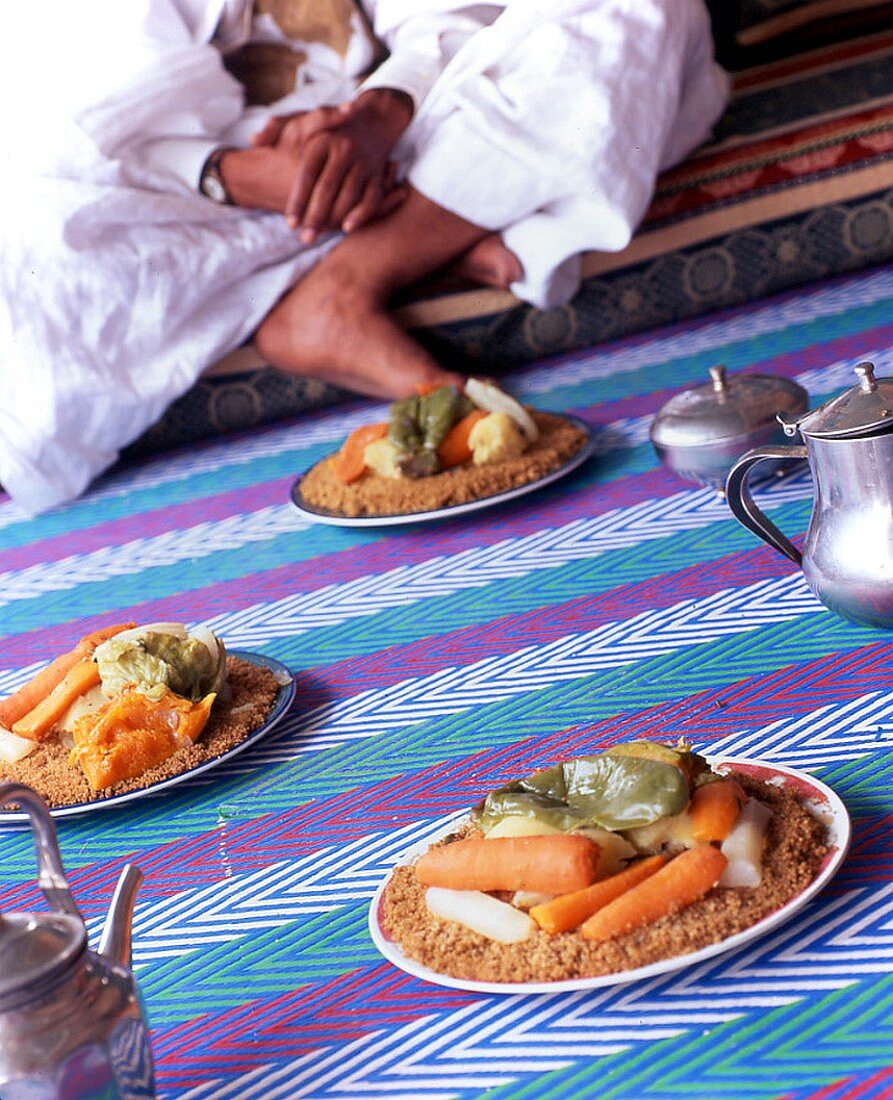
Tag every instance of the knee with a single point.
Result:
(269, 338)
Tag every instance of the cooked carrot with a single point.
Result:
(714, 809)
(568, 911)
(553, 864)
(454, 450)
(17, 705)
(349, 464)
(39, 721)
(682, 881)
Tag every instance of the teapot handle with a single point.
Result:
(743, 507)
(51, 874)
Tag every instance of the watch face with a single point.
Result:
(213, 188)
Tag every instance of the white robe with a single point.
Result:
(120, 284)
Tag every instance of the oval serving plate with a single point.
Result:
(820, 799)
(392, 519)
(281, 703)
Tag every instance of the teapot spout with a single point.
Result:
(115, 941)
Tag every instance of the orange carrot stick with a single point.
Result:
(568, 911)
(454, 450)
(682, 881)
(553, 864)
(714, 809)
(348, 465)
(424, 388)
(18, 704)
(27, 697)
(39, 721)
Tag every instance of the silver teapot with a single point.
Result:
(847, 556)
(71, 1025)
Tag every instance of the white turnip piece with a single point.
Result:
(743, 847)
(481, 913)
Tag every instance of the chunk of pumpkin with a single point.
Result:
(133, 733)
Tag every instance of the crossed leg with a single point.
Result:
(335, 323)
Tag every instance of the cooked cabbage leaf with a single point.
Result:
(157, 661)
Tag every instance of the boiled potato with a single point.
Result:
(381, 458)
(494, 438)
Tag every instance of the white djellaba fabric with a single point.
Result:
(120, 284)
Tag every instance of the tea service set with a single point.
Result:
(71, 1019)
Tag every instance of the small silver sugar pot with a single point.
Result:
(71, 1027)
(701, 432)
(847, 556)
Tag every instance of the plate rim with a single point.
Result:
(840, 829)
(284, 698)
(395, 519)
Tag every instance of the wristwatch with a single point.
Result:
(211, 183)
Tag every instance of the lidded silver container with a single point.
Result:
(700, 433)
(71, 1022)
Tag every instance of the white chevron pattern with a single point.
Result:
(826, 735)
(572, 657)
(580, 540)
(141, 554)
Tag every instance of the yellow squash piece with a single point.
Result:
(133, 733)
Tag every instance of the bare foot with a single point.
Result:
(332, 326)
(489, 262)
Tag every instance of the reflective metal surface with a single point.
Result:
(847, 556)
(70, 1019)
(701, 432)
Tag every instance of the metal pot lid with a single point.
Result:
(726, 408)
(33, 947)
(865, 408)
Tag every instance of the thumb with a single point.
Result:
(269, 132)
(319, 119)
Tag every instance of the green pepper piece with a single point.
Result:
(613, 790)
(403, 427)
(548, 782)
(437, 414)
(518, 803)
(624, 792)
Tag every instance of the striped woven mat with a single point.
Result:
(433, 662)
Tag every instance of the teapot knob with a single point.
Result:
(789, 427)
(865, 373)
(718, 374)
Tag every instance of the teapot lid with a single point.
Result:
(726, 408)
(35, 947)
(864, 408)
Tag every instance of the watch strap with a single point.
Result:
(211, 182)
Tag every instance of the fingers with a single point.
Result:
(339, 173)
(326, 167)
(349, 194)
(308, 171)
